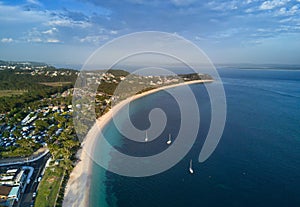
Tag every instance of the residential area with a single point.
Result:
(38, 125)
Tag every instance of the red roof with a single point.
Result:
(5, 190)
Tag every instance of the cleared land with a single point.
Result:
(9, 93)
(55, 84)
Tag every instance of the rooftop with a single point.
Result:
(14, 192)
(5, 190)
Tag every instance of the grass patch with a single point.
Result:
(49, 187)
(8, 93)
(55, 84)
(18, 152)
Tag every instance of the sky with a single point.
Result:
(66, 32)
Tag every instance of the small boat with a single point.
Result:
(191, 169)
(146, 138)
(169, 141)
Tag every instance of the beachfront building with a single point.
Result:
(12, 182)
(14, 177)
(8, 195)
(4, 192)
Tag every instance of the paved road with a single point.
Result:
(26, 199)
(14, 161)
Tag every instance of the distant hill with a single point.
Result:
(20, 64)
(29, 75)
(260, 66)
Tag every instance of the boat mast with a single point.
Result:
(146, 138)
(191, 169)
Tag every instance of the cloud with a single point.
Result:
(37, 36)
(50, 31)
(223, 6)
(200, 38)
(182, 2)
(292, 11)
(7, 40)
(268, 5)
(74, 15)
(249, 10)
(94, 39)
(68, 23)
(52, 40)
(42, 25)
(90, 23)
(288, 29)
(36, 39)
(113, 32)
(227, 33)
(34, 2)
(17, 14)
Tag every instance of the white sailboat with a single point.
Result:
(146, 138)
(191, 169)
(169, 141)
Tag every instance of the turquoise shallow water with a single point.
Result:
(257, 162)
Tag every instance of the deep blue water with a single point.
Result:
(257, 162)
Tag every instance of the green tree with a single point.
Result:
(17, 133)
(41, 125)
(54, 150)
(5, 134)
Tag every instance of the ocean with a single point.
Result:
(257, 162)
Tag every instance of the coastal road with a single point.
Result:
(26, 199)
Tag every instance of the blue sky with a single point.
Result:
(68, 31)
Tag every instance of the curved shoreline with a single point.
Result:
(79, 181)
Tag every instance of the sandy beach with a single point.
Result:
(77, 189)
